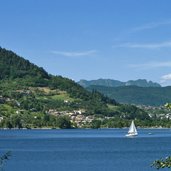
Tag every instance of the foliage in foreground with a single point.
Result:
(4, 158)
(162, 163)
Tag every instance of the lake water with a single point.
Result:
(84, 150)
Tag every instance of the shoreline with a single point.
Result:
(80, 128)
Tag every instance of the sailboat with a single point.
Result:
(132, 130)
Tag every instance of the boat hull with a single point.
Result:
(131, 135)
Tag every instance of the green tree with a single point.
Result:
(16, 121)
(96, 124)
(63, 122)
(162, 163)
(3, 159)
(8, 124)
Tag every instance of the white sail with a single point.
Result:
(132, 130)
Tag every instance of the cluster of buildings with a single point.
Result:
(159, 112)
(77, 116)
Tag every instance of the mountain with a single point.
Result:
(142, 83)
(153, 96)
(101, 82)
(116, 83)
(30, 97)
(16, 74)
(14, 66)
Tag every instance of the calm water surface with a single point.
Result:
(84, 150)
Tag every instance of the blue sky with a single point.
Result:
(91, 39)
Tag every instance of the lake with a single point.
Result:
(84, 149)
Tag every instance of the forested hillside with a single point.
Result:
(13, 66)
(153, 96)
(30, 97)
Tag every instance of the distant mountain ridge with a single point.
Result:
(116, 83)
